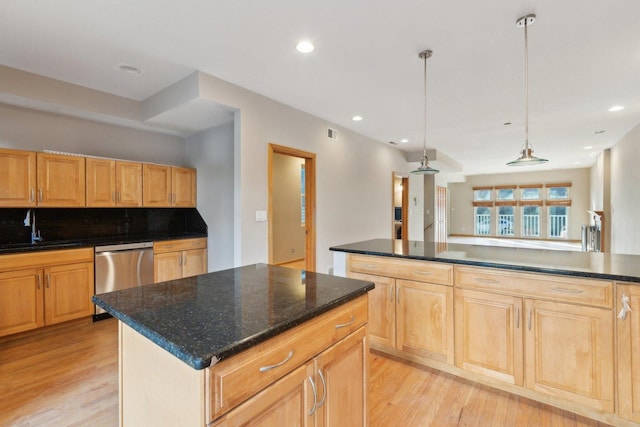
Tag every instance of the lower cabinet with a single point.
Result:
(327, 391)
(175, 259)
(628, 329)
(38, 294)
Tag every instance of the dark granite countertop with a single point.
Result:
(49, 245)
(570, 263)
(207, 318)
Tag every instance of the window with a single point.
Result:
(482, 222)
(505, 220)
(558, 221)
(558, 193)
(530, 194)
(303, 201)
(530, 221)
(482, 195)
(505, 194)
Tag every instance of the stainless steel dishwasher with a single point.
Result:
(120, 267)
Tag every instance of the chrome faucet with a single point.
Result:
(30, 220)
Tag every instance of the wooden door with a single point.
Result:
(129, 184)
(156, 182)
(424, 320)
(488, 335)
(183, 181)
(21, 299)
(61, 180)
(341, 374)
(629, 353)
(569, 352)
(194, 262)
(167, 266)
(288, 402)
(101, 182)
(382, 309)
(68, 292)
(17, 178)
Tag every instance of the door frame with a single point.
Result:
(310, 200)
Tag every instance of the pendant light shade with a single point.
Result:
(526, 156)
(424, 168)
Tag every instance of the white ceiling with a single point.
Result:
(584, 56)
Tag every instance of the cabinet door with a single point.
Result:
(382, 309)
(424, 320)
(156, 182)
(129, 184)
(288, 402)
(167, 266)
(629, 353)
(569, 352)
(183, 181)
(61, 180)
(341, 379)
(488, 335)
(17, 178)
(21, 296)
(101, 182)
(68, 292)
(194, 262)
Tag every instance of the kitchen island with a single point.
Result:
(553, 326)
(254, 342)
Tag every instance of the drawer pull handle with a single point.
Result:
(424, 272)
(315, 396)
(481, 280)
(324, 389)
(625, 307)
(370, 266)
(344, 325)
(568, 291)
(270, 367)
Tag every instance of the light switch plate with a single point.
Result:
(261, 216)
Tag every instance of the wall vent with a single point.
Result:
(332, 133)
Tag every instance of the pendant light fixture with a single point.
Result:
(526, 156)
(424, 167)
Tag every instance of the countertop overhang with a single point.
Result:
(570, 263)
(210, 317)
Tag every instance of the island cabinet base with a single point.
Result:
(312, 375)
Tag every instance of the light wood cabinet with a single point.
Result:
(568, 347)
(175, 259)
(414, 317)
(166, 186)
(44, 289)
(61, 180)
(628, 351)
(112, 183)
(17, 178)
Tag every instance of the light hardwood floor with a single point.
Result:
(68, 377)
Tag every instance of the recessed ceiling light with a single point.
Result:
(305, 46)
(577, 163)
(356, 118)
(404, 140)
(616, 108)
(588, 147)
(130, 69)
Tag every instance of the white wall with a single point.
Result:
(25, 129)
(352, 178)
(461, 197)
(211, 152)
(625, 196)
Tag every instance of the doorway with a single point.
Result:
(441, 231)
(291, 207)
(400, 206)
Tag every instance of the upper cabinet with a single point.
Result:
(17, 178)
(167, 186)
(61, 180)
(113, 183)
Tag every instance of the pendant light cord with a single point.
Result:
(424, 128)
(526, 87)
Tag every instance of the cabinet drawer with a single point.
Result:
(38, 259)
(421, 271)
(179, 245)
(560, 288)
(234, 380)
